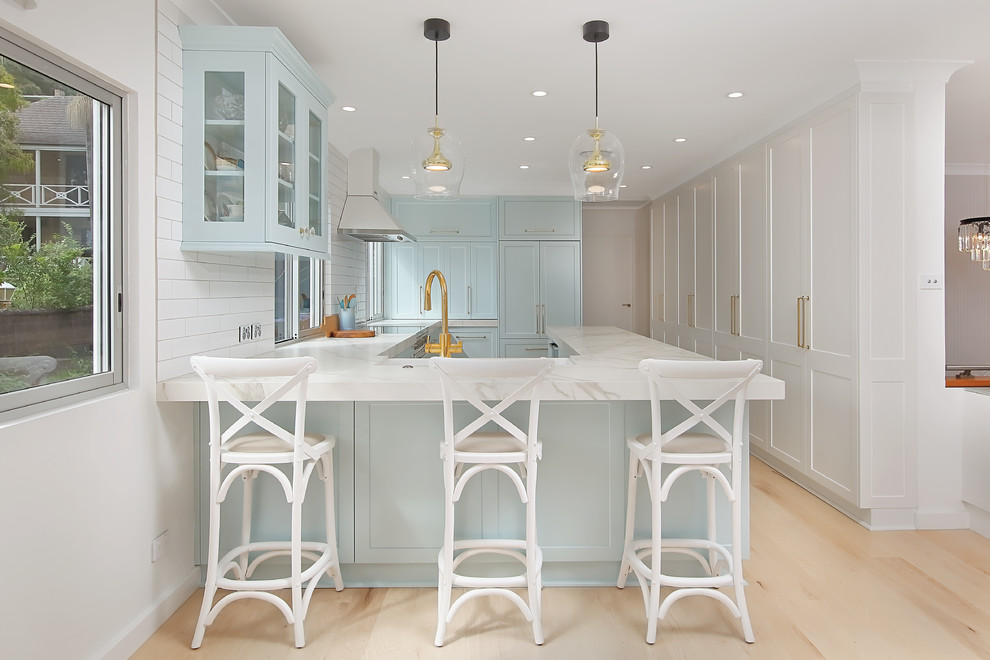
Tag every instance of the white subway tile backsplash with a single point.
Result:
(197, 270)
(176, 309)
(203, 297)
(171, 328)
(194, 289)
(171, 270)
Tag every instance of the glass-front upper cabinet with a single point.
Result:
(258, 113)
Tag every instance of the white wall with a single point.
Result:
(86, 488)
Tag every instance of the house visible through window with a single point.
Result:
(60, 220)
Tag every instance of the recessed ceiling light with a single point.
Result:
(524, 167)
(622, 185)
(646, 167)
(348, 108)
(529, 138)
(680, 139)
(539, 92)
(734, 95)
(405, 176)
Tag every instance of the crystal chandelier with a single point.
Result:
(974, 237)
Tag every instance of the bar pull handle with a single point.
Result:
(543, 316)
(660, 306)
(802, 312)
(469, 305)
(732, 314)
(627, 304)
(445, 231)
(690, 309)
(538, 331)
(539, 231)
(534, 348)
(421, 301)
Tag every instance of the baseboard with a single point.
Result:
(979, 520)
(941, 520)
(151, 619)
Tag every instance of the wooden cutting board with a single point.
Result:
(350, 334)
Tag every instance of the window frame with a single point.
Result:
(290, 301)
(108, 224)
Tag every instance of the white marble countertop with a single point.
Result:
(602, 366)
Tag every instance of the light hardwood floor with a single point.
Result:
(820, 586)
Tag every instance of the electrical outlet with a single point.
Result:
(244, 333)
(158, 546)
(256, 333)
(931, 281)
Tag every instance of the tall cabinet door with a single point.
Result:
(789, 185)
(704, 266)
(519, 290)
(402, 271)
(751, 306)
(457, 269)
(431, 257)
(671, 272)
(560, 283)
(685, 268)
(726, 249)
(830, 317)
(483, 292)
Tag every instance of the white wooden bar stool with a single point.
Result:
(251, 445)
(699, 444)
(472, 450)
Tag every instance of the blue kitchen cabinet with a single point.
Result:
(469, 267)
(580, 493)
(540, 285)
(255, 112)
(478, 342)
(539, 218)
(463, 219)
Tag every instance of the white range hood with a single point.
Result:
(363, 216)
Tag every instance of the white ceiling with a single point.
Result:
(664, 73)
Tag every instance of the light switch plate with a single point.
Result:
(931, 281)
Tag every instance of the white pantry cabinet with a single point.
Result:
(255, 113)
(812, 300)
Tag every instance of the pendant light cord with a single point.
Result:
(436, 79)
(596, 84)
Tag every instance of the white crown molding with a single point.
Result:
(967, 169)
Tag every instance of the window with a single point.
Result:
(60, 229)
(376, 282)
(298, 296)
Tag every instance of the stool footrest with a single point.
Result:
(320, 554)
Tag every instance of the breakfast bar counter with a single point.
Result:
(384, 410)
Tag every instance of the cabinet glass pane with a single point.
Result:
(286, 157)
(223, 167)
(315, 182)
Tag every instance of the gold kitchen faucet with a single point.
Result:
(443, 347)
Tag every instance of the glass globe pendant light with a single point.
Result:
(597, 159)
(437, 159)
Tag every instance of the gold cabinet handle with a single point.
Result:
(627, 304)
(420, 301)
(732, 315)
(690, 310)
(538, 331)
(469, 305)
(660, 306)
